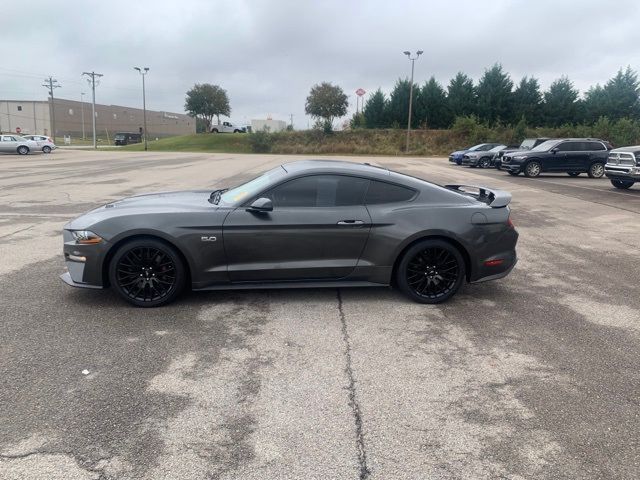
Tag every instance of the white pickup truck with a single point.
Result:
(227, 127)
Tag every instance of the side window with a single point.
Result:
(320, 191)
(382, 192)
(568, 147)
(595, 146)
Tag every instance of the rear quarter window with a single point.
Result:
(382, 192)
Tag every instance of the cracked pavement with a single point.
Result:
(533, 376)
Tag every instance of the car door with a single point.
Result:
(594, 151)
(316, 231)
(561, 160)
(9, 144)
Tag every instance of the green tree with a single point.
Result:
(527, 101)
(205, 101)
(432, 108)
(398, 105)
(495, 98)
(595, 104)
(326, 102)
(561, 104)
(461, 95)
(357, 121)
(623, 95)
(375, 111)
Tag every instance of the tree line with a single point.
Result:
(495, 100)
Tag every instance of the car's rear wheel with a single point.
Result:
(484, 162)
(46, 149)
(622, 184)
(147, 272)
(596, 170)
(215, 130)
(22, 150)
(573, 174)
(431, 271)
(532, 169)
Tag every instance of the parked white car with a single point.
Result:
(17, 144)
(227, 127)
(47, 143)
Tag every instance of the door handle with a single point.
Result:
(350, 222)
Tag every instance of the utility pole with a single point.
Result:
(93, 76)
(413, 61)
(291, 120)
(82, 94)
(51, 83)
(143, 72)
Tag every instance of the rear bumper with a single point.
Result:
(499, 275)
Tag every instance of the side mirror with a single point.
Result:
(261, 205)
(554, 150)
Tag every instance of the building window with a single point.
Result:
(71, 111)
(19, 108)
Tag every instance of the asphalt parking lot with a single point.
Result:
(533, 376)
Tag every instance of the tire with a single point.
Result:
(484, 162)
(236, 131)
(515, 174)
(622, 184)
(532, 169)
(573, 174)
(46, 149)
(131, 272)
(215, 130)
(596, 170)
(22, 150)
(431, 271)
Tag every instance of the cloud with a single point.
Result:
(269, 54)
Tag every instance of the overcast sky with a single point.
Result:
(268, 54)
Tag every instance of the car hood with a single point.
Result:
(149, 203)
(458, 153)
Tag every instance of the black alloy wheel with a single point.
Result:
(622, 184)
(147, 272)
(431, 271)
(573, 174)
(532, 169)
(596, 170)
(484, 162)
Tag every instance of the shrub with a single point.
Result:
(261, 141)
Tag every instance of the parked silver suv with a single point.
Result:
(623, 167)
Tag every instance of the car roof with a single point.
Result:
(335, 166)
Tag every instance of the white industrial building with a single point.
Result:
(268, 124)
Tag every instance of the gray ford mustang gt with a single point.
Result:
(303, 224)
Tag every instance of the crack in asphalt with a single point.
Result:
(88, 466)
(353, 400)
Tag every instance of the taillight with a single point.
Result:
(510, 223)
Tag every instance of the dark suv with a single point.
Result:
(570, 155)
(527, 144)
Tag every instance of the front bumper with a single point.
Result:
(469, 162)
(511, 167)
(618, 172)
(84, 262)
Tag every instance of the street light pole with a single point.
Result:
(93, 76)
(143, 72)
(413, 61)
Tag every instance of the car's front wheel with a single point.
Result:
(46, 149)
(622, 184)
(532, 169)
(22, 150)
(147, 272)
(596, 170)
(431, 271)
(484, 162)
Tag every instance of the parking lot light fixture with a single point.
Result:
(143, 72)
(413, 60)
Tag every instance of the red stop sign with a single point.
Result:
(360, 92)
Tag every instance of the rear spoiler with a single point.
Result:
(493, 198)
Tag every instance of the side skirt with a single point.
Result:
(300, 284)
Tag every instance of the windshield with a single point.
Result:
(477, 147)
(119, 136)
(545, 146)
(498, 148)
(247, 190)
(528, 144)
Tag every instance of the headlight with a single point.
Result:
(524, 157)
(85, 237)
